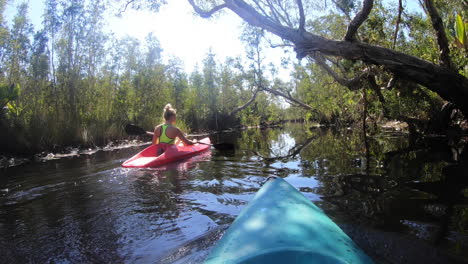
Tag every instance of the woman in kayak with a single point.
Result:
(167, 133)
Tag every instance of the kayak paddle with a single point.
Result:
(132, 129)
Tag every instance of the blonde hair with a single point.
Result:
(169, 112)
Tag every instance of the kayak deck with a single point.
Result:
(280, 225)
(147, 157)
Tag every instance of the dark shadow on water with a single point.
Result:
(416, 208)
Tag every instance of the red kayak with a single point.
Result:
(147, 157)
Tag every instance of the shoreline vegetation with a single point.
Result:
(12, 160)
(7, 161)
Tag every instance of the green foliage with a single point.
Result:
(8, 93)
(460, 31)
(331, 101)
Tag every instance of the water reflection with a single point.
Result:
(392, 197)
(413, 190)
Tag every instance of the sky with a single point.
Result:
(180, 33)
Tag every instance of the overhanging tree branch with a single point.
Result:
(423, 6)
(434, 77)
(242, 107)
(274, 12)
(358, 20)
(352, 84)
(260, 8)
(340, 6)
(407, 67)
(250, 15)
(285, 14)
(204, 13)
(287, 97)
(337, 64)
(126, 6)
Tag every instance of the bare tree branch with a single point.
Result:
(421, 3)
(203, 13)
(125, 6)
(358, 20)
(287, 97)
(337, 64)
(274, 11)
(250, 15)
(352, 84)
(342, 9)
(242, 107)
(296, 150)
(280, 17)
(286, 17)
(397, 26)
(281, 45)
(442, 41)
(301, 16)
(261, 8)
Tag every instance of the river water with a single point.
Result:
(400, 201)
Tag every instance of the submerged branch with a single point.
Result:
(297, 149)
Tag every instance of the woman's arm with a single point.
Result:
(157, 133)
(182, 137)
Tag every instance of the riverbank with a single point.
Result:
(7, 161)
(11, 160)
